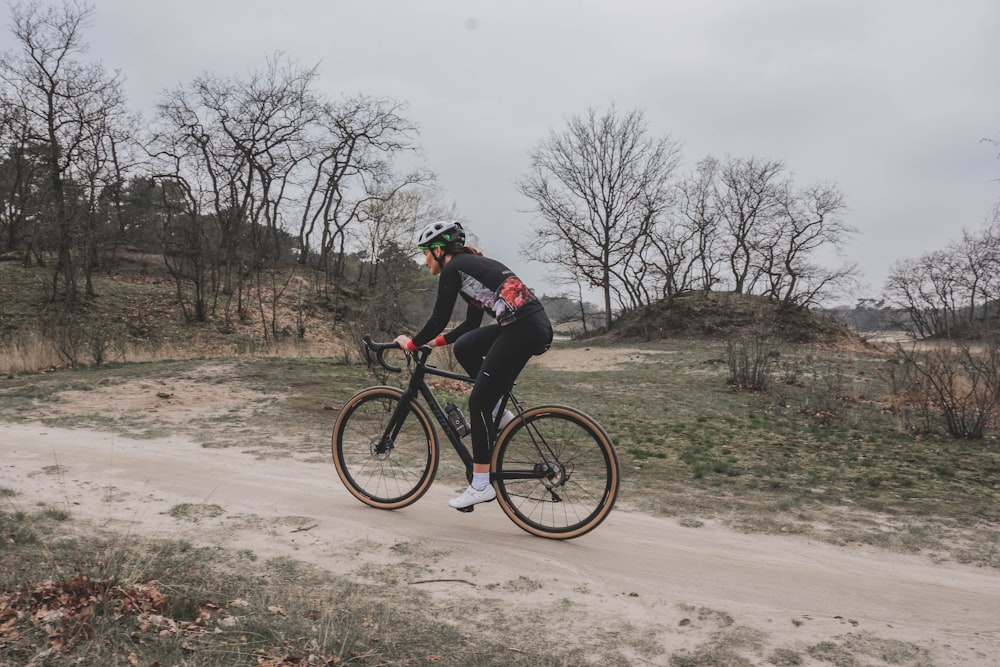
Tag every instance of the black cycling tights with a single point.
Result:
(495, 355)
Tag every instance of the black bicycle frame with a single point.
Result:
(418, 386)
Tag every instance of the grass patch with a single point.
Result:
(195, 512)
(852, 649)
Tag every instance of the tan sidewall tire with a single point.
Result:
(418, 409)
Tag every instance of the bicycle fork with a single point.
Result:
(387, 442)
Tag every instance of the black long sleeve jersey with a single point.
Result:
(487, 286)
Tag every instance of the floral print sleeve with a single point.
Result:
(513, 296)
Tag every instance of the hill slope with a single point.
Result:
(725, 314)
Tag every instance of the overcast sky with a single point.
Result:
(888, 99)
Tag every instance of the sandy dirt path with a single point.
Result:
(672, 583)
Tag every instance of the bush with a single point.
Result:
(959, 381)
(752, 360)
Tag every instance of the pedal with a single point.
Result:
(466, 509)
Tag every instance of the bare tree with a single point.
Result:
(673, 258)
(389, 224)
(928, 291)
(696, 238)
(989, 287)
(20, 180)
(599, 187)
(978, 257)
(269, 124)
(271, 172)
(235, 146)
(903, 289)
(350, 163)
(66, 103)
(107, 158)
(191, 151)
(953, 290)
(747, 216)
(750, 195)
(811, 220)
(190, 241)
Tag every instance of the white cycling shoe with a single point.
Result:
(473, 497)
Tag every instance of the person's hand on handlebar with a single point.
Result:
(405, 343)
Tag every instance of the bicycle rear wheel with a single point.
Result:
(384, 472)
(556, 472)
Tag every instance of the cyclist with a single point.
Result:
(493, 354)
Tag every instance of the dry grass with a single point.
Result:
(28, 351)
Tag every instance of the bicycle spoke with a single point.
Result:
(580, 479)
(386, 474)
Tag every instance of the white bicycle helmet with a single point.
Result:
(443, 233)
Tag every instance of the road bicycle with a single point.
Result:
(554, 468)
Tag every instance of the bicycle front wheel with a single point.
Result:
(556, 472)
(382, 466)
